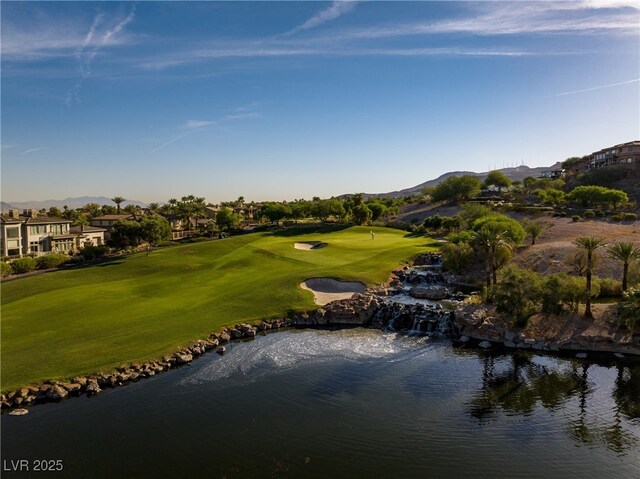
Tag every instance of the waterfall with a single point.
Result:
(417, 317)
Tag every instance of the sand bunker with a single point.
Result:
(309, 245)
(326, 290)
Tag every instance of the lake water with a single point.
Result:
(346, 404)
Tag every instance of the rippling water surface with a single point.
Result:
(351, 403)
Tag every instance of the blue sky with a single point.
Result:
(284, 100)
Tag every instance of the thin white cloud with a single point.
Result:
(32, 150)
(60, 38)
(194, 124)
(243, 116)
(611, 3)
(90, 34)
(335, 10)
(600, 87)
(85, 60)
(172, 140)
(502, 18)
(253, 50)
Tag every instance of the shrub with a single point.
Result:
(75, 260)
(464, 236)
(5, 269)
(599, 213)
(563, 214)
(609, 287)
(399, 225)
(562, 292)
(616, 217)
(456, 256)
(630, 217)
(194, 239)
(629, 310)
(437, 222)
(517, 294)
(589, 214)
(50, 261)
(23, 265)
(93, 252)
(165, 243)
(576, 218)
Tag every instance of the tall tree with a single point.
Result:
(533, 229)
(625, 252)
(118, 200)
(498, 179)
(590, 244)
(457, 189)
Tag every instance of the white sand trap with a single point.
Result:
(309, 245)
(326, 290)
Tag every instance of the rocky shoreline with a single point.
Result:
(468, 325)
(15, 401)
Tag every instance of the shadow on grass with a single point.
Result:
(98, 262)
(310, 229)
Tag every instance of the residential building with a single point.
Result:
(553, 174)
(11, 236)
(107, 222)
(623, 154)
(28, 234)
(47, 235)
(211, 211)
(88, 236)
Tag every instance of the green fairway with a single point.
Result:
(139, 307)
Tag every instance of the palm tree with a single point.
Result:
(493, 241)
(590, 244)
(117, 200)
(625, 252)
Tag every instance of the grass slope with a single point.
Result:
(139, 307)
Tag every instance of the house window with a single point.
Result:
(34, 246)
(37, 230)
(13, 252)
(57, 229)
(13, 232)
(13, 244)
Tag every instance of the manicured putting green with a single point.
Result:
(139, 307)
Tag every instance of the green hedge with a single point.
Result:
(5, 269)
(50, 261)
(23, 265)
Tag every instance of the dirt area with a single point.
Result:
(576, 327)
(417, 213)
(556, 243)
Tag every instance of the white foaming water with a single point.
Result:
(246, 362)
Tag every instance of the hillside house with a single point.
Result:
(623, 154)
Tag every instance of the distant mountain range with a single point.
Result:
(515, 173)
(72, 203)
